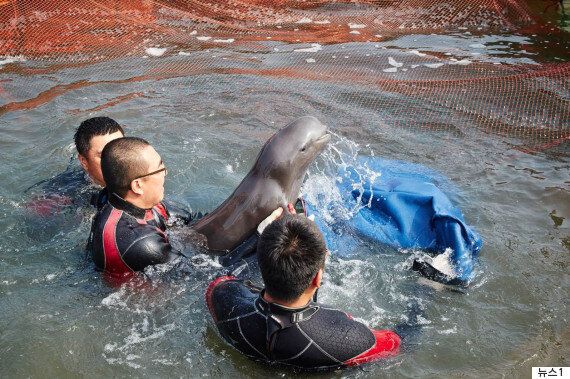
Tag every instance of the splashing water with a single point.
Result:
(320, 188)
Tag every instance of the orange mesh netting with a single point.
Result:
(524, 96)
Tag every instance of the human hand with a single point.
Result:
(272, 217)
(291, 209)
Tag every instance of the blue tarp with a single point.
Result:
(403, 205)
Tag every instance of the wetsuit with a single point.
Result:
(71, 187)
(312, 337)
(125, 238)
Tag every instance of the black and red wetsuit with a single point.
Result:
(125, 238)
(312, 337)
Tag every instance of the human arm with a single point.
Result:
(178, 215)
(148, 249)
(386, 343)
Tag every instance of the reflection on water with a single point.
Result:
(486, 108)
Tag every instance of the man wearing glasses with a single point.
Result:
(128, 233)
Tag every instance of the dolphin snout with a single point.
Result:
(325, 137)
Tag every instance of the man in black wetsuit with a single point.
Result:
(78, 186)
(281, 323)
(129, 232)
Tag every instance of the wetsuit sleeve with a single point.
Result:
(386, 343)
(210, 294)
(177, 214)
(149, 249)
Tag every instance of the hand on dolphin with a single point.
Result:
(276, 214)
(291, 209)
(272, 217)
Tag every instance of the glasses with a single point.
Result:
(152, 173)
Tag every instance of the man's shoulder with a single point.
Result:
(69, 188)
(139, 244)
(71, 181)
(228, 297)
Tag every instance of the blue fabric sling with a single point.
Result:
(405, 206)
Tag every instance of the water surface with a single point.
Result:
(208, 112)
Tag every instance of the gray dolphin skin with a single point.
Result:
(274, 180)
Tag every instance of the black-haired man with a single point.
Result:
(90, 138)
(75, 186)
(282, 323)
(129, 232)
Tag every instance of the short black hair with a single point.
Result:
(95, 126)
(121, 162)
(290, 252)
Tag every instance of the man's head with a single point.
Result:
(291, 253)
(90, 139)
(133, 170)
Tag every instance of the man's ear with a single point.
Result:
(83, 161)
(318, 278)
(136, 187)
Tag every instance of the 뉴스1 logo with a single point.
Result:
(550, 372)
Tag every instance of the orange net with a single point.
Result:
(375, 44)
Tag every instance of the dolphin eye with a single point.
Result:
(303, 148)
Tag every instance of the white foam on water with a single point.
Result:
(433, 65)
(129, 351)
(415, 52)
(323, 22)
(423, 321)
(304, 20)
(354, 32)
(47, 278)
(448, 331)
(166, 362)
(313, 49)
(477, 46)
(155, 51)
(139, 335)
(320, 189)
(463, 62)
(228, 40)
(184, 53)
(203, 38)
(310, 60)
(391, 69)
(229, 168)
(378, 316)
(204, 260)
(11, 59)
(442, 263)
(356, 26)
(394, 63)
(116, 299)
(345, 278)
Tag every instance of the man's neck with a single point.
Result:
(300, 302)
(136, 201)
